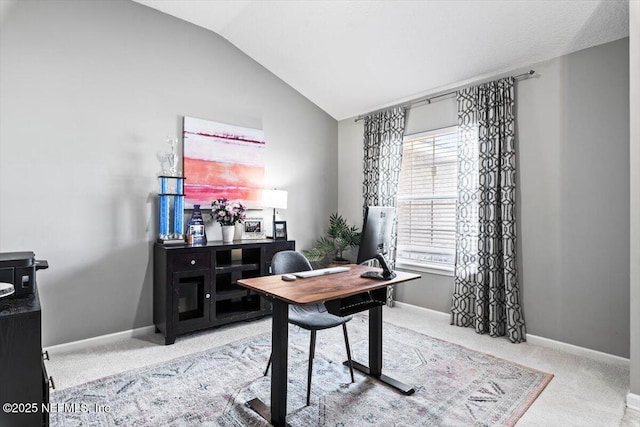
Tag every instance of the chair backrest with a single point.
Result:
(289, 262)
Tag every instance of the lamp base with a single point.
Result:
(273, 226)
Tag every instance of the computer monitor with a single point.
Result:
(376, 240)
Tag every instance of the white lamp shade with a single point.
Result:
(276, 199)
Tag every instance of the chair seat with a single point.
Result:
(314, 317)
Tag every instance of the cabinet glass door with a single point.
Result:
(193, 296)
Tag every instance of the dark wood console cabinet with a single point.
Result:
(24, 383)
(194, 287)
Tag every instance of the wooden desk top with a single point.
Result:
(322, 288)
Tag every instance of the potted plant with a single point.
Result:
(228, 214)
(340, 237)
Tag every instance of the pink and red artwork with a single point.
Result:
(222, 160)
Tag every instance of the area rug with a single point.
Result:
(455, 386)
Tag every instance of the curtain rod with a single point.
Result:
(428, 99)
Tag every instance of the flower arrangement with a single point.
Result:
(227, 212)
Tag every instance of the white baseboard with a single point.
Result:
(418, 308)
(100, 340)
(579, 351)
(532, 339)
(633, 401)
(542, 342)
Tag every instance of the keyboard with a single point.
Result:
(321, 272)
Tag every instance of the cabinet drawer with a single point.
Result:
(191, 261)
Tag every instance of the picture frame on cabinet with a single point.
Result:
(280, 230)
(253, 229)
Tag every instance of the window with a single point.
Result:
(427, 195)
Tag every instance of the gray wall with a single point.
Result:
(574, 198)
(89, 92)
(573, 205)
(634, 92)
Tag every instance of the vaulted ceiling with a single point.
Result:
(351, 57)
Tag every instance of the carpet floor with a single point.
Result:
(454, 386)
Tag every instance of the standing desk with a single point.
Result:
(343, 294)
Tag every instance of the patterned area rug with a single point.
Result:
(455, 386)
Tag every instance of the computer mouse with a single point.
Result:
(288, 277)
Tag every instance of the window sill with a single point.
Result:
(426, 268)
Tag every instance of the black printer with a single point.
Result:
(19, 269)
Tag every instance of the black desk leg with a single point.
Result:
(279, 346)
(280, 338)
(375, 341)
(375, 354)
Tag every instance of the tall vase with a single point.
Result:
(195, 228)
(227, 233)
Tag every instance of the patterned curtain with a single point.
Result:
(486, 293)
(383, 132)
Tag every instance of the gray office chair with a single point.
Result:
(312, 317)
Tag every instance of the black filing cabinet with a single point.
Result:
(24, 384)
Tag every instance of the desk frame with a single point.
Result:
(317, 289)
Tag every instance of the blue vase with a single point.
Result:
(196, 234)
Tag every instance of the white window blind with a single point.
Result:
(427, 195)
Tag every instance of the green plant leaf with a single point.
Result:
(341, 236)
(322, 248)
(314, 255)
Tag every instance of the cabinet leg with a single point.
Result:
(158, 330)
(169, 339)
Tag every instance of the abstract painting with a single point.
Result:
(222, 160)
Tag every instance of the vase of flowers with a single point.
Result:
(228, 233)
(228, 214)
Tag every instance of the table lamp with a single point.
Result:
(276, 199)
